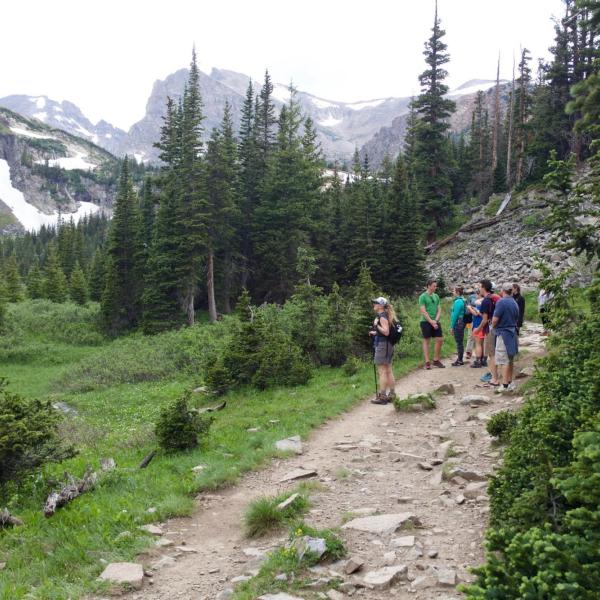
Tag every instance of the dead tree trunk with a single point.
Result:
(74, 488)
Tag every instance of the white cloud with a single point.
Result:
(105, 56)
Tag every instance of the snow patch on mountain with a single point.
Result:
(320, 103)
(28, 215)
(367, 104)
(281, 92)
(40, 102)
(330, 121)
(42, 116)
(473, 87)
(30, 134)
(71, 162)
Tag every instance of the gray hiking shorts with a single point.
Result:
(384, 352)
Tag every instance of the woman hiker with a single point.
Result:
(383, 350)
(457, 324)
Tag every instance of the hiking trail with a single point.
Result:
(370, 460)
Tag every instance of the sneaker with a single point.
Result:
(485, 378)
(458, 363)
(439, 364)
(477, 364)
(428, 365)
(484, 362)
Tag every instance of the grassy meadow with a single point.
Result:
(114, 390)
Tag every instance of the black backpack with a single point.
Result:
(395, 333)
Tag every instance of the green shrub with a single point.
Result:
(415, 402)
(263, 515)
(501, 424)
(351, 366)
(28, 435)
(218, 378)
(178, 427)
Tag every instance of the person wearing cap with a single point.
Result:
(431, 310)
(383, 350)
(504, 326)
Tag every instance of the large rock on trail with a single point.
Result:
(382, 524)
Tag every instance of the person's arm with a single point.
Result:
(383, 326)
(426, 315)
(438, 312)
(454, 315)
(495, 320)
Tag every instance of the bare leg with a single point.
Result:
(426, 349)
(438, 347)
(493, 369)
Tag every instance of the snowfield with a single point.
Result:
(28, 215)
(70, 162)
(330, 121)
(368, 104)
(281, 92)
(30, 134)
(472, 89)
(320, 103)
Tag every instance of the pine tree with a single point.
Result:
(523, 113)
(265, 123)
(96, 276)
(405, 256)
(362, 316)
(191, 220)
(55, 280)
(78, 289)
(222, 188)
(35, 281)
(3, 302)
(12, 280)
(481, 181)
(121, 298)
(431, 164)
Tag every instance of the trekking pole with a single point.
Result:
(375, 373)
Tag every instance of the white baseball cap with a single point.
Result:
(380, 300)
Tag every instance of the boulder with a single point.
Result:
(382, 524)
(309, 545)
(383, 578)
(131, 574)
(474, 489)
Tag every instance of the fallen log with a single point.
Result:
(73, 488)
(7, 520)
(146, 460)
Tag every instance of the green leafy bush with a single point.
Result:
(28, 435)
(178, 427)
(351, 366)
(263, 515)
(501, 424)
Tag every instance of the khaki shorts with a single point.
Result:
(384, 353)
(501, 357)
(488, 344)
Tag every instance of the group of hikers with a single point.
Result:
(491, 320)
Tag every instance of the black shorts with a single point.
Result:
(429, 332)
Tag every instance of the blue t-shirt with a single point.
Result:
(507, 313)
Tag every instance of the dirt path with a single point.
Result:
(377, 471)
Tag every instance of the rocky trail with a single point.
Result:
(407, 490)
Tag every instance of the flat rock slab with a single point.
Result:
(153, 529)
(407, 541)
(298, 474)
(468, 475)
(124, 573)
(474, 489)
(293, 444)
(475, 400)
(446, 577)
(382, 524)
(383, 578)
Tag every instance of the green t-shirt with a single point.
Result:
(431, 304)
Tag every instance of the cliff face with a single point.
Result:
(47, 174)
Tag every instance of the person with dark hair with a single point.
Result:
(516, 294)
(431, 310)
(457, 324)
(487, 312)
(383, 349)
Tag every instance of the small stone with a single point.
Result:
(474, 489)
(422, 582)
(213, 571)
(125, 573)
(278, 596)
(468, 475)
(198, 468)
(424, 466)
(475, 400)
(348, 588)
(281, 577)
(432, 553)
(446, 388)
(187, 549)
(382, 579)
(345, 447)
(253, 429)
(293, 444)
(200, 390)
(404, 499)
(151, 510)
(241, 579)
(460, 499)
(389, 558)
(164, 543)
(415, 552)
(288, 501)
(353, 564)
(108, 464)
(406, 541)
(298, 474)
(152, 529)
(307, 544)
(446, 577)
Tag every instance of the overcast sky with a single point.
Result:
(105, 56)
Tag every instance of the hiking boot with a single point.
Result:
(468, 355)
(486, 378)
(458, 363)
(477, 364)
(391, 396)
(484, 361)
(380, 399)
(439, 364)
(428, 365)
